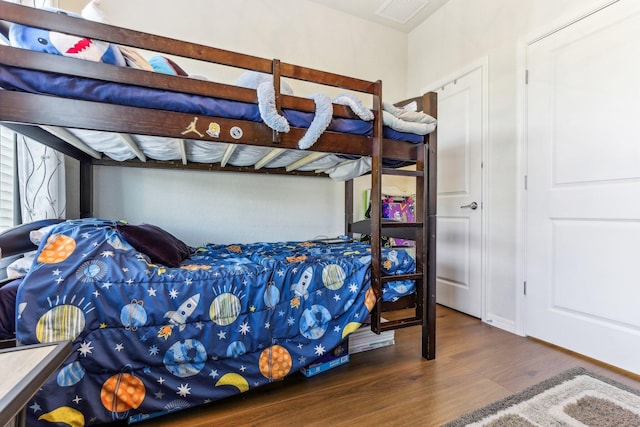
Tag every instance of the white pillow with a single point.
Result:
(36, 236)
(21, 266)
(93, 12)
(412, 106)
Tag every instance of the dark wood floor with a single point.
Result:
(475, 365)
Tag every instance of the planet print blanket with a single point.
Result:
(150, 339)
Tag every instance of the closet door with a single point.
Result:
(583, 197)
(459, 220)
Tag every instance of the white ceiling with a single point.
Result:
(403, 15)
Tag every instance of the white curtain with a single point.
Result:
(41, 181)
(36, 3)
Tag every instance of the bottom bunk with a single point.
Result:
(159, 326)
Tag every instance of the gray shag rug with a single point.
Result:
(575, 397)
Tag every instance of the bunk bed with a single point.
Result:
(172, 346)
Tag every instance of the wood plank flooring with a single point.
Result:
(475, 365)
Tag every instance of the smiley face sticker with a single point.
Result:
(214, 130)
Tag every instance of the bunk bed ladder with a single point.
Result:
(419, 308)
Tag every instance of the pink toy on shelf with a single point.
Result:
(399, 209)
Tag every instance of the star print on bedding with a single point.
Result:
(151, 339)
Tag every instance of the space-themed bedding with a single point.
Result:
(151, 338)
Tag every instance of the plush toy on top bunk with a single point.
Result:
(46, 41)
(400, 119)
(263, 83)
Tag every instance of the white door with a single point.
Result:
(459, 220)
(583, 197)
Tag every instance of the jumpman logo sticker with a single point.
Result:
(192, 128)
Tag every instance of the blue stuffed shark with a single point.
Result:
(64, 44)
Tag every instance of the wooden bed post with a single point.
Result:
(348, 207)
(86, 189)
(431, 195)
(275, 70)
(376, 206)
(423, 306)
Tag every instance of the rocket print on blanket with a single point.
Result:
(186, 309)
(301, 287)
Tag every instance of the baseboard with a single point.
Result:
(501, 323)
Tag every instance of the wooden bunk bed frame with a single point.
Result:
(38, 116)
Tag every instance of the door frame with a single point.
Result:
(482, 64)
(521, 150)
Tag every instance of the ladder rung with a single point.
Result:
(402, 303)
(401, 172)
(398, 224)
(399, 323)
(396, 277)
(390, 228)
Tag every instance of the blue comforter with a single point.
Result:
(150, 339)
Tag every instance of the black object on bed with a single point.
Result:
(15, 241)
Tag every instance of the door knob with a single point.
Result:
(472, 205)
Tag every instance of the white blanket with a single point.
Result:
(409, 121)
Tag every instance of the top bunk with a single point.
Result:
(133, 104)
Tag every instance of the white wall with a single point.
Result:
(224, 207)
(294, 31)
(460, 33)
(230, 207)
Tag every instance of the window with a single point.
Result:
(7, 178)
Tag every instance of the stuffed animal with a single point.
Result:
(263, 83)
(56, 43)
(162, 64)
